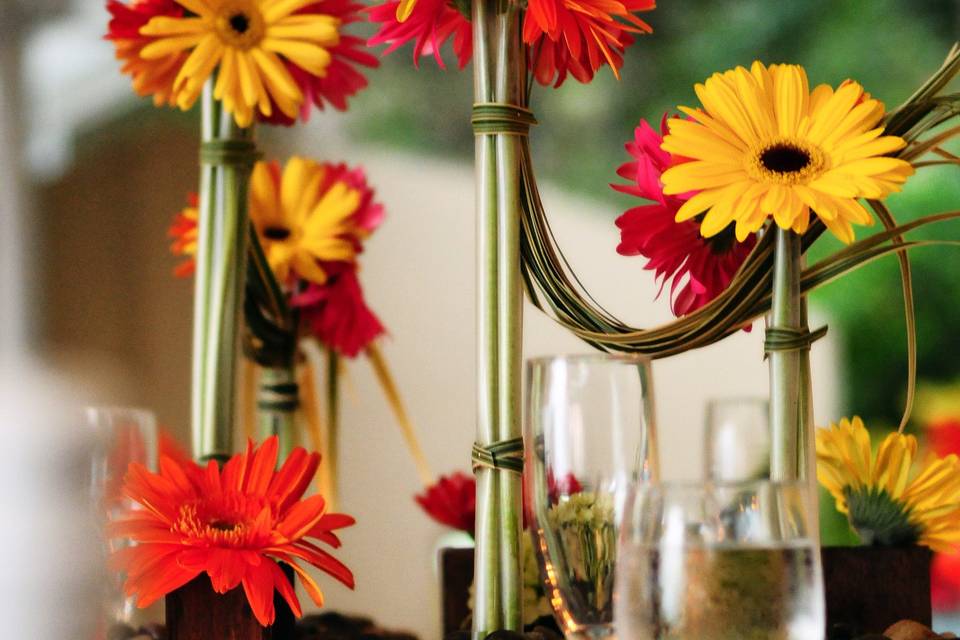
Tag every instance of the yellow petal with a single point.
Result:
(404, 9)
(792, 94)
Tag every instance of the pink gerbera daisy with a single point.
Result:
(697, 268)
(337, 313)
(430, 25)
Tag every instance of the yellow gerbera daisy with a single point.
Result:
(884, 501)
(764, 145)
(303, 218)
(249, 40)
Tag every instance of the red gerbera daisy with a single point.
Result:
(430, 24)
(943, 435)
(184, 232)
(698, 268)
(452, 501)
(338, 315)
(945, 581)
(234, 524)
(580, 36)
(154, 77)
(342, 80)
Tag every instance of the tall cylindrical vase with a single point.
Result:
(227, 155)
(785, 362)
(792, 444)
(498, 86)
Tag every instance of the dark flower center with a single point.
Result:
(723, 242)
(223, 525)
(879, 519)
(784, 158)
(276, 233)
(239, 22)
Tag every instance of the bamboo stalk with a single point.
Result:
(220, 274)
(509, 90)
(487, 612)
(786, 403)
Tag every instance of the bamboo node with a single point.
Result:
(282, 396)
(240, 153)
(506, 455)
(789, 339)
(498, 117)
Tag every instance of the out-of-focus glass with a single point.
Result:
(737, 440)
(125, 435)
(719, 562)
(589, 436)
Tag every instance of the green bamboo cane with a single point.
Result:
(487, 616)
(511, 74)
(787, 402)
(227, 155)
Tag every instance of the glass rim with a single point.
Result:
(709, 485)
(594, 356)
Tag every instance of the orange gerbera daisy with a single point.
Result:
(581, 35)
(247, 43)
(306, 214)
(234, 524)
(184, 233)
(150, 78)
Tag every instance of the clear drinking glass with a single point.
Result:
(589, 436)
(737, 440)
(124, 435)
(719, 562)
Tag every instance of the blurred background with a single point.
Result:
(91, 176)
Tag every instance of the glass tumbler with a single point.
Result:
(125, 435)
(589, 435)
(737, 440)
(719, 562)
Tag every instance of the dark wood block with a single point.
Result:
(869, 588)
(196, 612)
(456, 576)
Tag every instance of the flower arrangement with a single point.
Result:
(739, 188)
(311, 221)
(273, 252)
(235, 524)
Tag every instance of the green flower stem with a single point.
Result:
(221, 269)
(808, 438)
(277, 407)
(790, 394)
(498, 77)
